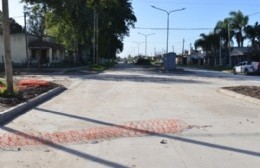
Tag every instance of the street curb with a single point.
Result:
(239, 96)
(21, 108)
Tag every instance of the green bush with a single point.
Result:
(143, 61)
(2, 83)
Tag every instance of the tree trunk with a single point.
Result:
(7, 48)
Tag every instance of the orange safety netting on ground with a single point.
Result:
(33, 82)
(25, 83)
(10, 141)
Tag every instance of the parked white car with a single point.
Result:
(247, 67)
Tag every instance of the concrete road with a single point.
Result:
(99, 121)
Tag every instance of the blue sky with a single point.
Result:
(198, 14)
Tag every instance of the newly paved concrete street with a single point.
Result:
(125, 93)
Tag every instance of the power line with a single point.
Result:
(157, 28)
(206, 2)
(254, 13)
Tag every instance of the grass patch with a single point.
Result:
(4, 93)
(101, 67)
(2, 83)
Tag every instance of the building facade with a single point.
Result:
(47, 51)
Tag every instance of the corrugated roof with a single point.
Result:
(239, 51)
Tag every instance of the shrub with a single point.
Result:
(143, 61)
(2, 83)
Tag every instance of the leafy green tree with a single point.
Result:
(117, 16)
(253, 33)
(72, 22)
(238, 22)
(37, 24)
(37, 19)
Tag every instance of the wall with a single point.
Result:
(18, 48)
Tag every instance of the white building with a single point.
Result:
(49, 51)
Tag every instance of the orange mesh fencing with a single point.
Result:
(25, 83)
(33, 82)
(130, 129)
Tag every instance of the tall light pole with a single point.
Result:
(138, 45)
(168, 21)
(146, 35)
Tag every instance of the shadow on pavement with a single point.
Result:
(211, 145)
(182, 139)
(66, 149)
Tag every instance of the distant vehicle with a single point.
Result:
(247, 67)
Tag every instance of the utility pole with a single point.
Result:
(190, 48)
(26, 37)
(183, 46)
(7, 48)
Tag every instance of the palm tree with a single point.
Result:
(201, 43)
(238, 22)
(253, 33)
(208, 43)
(222, 29)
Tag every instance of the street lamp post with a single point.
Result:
(138, 45)
(168, 21)
(146, 35)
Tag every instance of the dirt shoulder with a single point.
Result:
(24, 95)
(252, 91)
